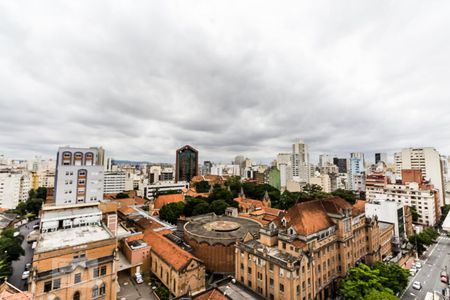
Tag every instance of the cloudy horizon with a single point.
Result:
(227, 77)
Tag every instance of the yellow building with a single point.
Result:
(302, 253)
(75, 255)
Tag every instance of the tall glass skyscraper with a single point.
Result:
(186, 163)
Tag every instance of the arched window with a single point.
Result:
(102, 289)
(67, 158)
(76, 296)
(94, 291)
(89, 159)
(78, 159)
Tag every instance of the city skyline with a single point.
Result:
(371, 78)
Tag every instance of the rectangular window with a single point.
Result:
(103, 271)
(271, 281)
(56, 283)
(281, 288)
(242, 266)
(96, 272)
(298, 289)
(249, 270)
(47, 286)
(77, 278)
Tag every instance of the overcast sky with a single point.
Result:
(143, 78)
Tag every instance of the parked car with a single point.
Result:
(33, 236)
(138, 278)
(25, 274)
(36, 226)
(412, 272)
(27, 266)
(418, 265)
(417, 285)
(33, 246)
(16, 234)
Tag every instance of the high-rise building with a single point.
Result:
(356, 178)
(114, 182)
(427, 160)
(341, 163)
(10, 193)
(79, 177)
(380, 157)
(300, 162)
(186, 163)
(324, 160)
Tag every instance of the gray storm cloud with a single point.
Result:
(227, 77)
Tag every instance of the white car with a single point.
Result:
(25, 274)
(138, 278)
(418, 265)
(412, 272)
(417, 285)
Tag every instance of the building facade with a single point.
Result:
(75, 255)
(114, 182)
(10, 189)
(302, 253)
(186, 164)
(428, 161)
(300, 162)
(79, 176)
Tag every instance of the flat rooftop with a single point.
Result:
(62, 214)
(71, 237)
(211, 227)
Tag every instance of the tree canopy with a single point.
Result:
(202, 186)
(346, 195)
(364, 281)
(171, 212)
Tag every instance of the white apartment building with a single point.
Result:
(388, 211)
(150, 191)
(25, 187)
(427, 160)
(10, 193)
(47, 178)
(422, 199)
(300, 162)
(227, 170)
(79, 176)
(284, 158)
(114, 182)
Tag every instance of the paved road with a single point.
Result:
(19, 265)
(438, 258)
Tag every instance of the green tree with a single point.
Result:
(346, 195)
(361, 281)
(220, 193)
(218, 207)
(41, 193)
(234, 182)
(287, 200)
(191, 203)
(200, 209)
(10, 246)
(5, 268)
(380, 295)
(394, 276)
(171, 212)
(202, 186)
(414, 213)
(314, 191)
(444, 211)
(34, 205)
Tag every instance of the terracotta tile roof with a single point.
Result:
(359, 208)
(258, 219)
(166, 199)
(168, 251)
(210, 295)
(147, 224)
(272, 211)
(10, 292)
(298, 244)
(247, 202)
(312, 216)
(126, 210)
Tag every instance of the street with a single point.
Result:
(428, 276)
(19, 265)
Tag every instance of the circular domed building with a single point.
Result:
(213, 239)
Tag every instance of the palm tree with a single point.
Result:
(5, 269)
